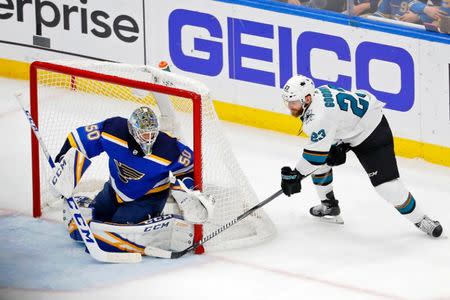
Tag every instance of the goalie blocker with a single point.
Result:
(68, 172)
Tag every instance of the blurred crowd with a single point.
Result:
(433, 14)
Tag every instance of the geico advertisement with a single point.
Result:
(245, 55)
(92, 28)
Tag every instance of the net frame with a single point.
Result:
(165, 84)
(35, 153)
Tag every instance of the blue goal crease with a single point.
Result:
(37, 254)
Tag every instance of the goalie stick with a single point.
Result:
(156, 252)
(83, 227)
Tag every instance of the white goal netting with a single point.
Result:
(66, 95)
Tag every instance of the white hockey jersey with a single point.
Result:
(336, 116)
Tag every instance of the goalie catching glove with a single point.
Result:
(68, 171)
(195, 206)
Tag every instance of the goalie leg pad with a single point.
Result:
(167, 232)
(85, 206)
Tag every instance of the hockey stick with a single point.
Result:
(35, 129)
(83, 227)
(156, 252)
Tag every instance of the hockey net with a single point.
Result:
(67, 95)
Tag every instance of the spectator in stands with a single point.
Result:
(438, 9)
(332, 5)
(295, 2)
(444, 25)
(412, 11)
(358, 8)
(438, 13)
(361, 7)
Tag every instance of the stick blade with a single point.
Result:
(332, 219)
(120, 258)
(130, 258)
(157, 252)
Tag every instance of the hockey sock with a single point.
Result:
(323, 181)
(395, 192)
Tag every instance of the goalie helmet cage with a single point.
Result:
(66, 95)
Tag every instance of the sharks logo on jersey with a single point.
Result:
(127, 173)
(308, 117)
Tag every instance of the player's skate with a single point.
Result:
(430, 227)
(328, 210)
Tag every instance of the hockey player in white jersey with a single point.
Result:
(337, 121)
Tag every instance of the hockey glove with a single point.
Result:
(196, 207)
(291, 181)
(337, 155)
(68, 171)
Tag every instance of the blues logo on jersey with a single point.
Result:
(126, 173)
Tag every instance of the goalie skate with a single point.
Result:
(328, 211)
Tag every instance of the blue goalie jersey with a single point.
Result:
(132, 174)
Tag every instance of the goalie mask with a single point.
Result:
(144, 127)
(296, 89)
